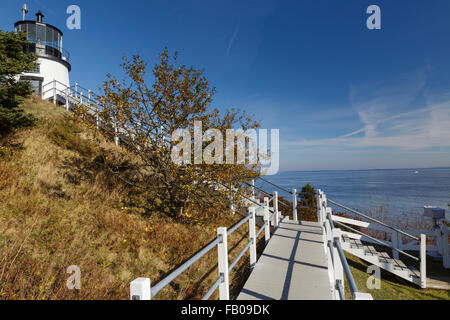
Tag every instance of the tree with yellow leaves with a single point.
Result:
(149, 115)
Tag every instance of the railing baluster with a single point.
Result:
(252, 236)
(97, 120)
(267, 219)
(324, 206)
(319, 206)
(423, 260)
(54, 91)
(116, 136)
(222, 255)
(253, 189)
(67, 99)
(294, 204)
(445, 246)
(337, 263)
(394, 239)
(330, 259)
(327, 236)
(275, 208)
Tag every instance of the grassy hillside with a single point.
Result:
(60, 206)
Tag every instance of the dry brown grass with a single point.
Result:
(59, 207)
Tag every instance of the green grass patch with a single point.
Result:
(392, 287)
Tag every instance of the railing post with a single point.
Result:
(67, 98)
(222, 256)
(253, 189)
(438, 238)
(252, 235)
(319, 206)
(266, 219)
(331, 274)
(232, 206)
(395, 243)
(329, 254)
(324, 206)
(275, 208)
(423, 261)
(140, 289)
(54, 91)
(337, 264)
(76, 90)
(96, 117)
(445, 246)
(116, 136)
(294, 204)
(81, 97)
(89, 97)
(327, 229)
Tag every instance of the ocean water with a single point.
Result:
(399, 191)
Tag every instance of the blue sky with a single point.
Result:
(343, 96)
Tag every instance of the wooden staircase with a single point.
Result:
(371, 249)
(381, 259)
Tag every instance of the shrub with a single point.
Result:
(13, 61)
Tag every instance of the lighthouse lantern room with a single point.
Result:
(46, 42)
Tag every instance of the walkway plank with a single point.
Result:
(293, 266)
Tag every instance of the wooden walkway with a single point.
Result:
(293, 266)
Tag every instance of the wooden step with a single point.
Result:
(356, 244)
(399, 265)
(413, 272)
(384, 254)
(384, 261)
(370, 251)
(385, 257)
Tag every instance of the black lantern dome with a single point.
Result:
(40, 16)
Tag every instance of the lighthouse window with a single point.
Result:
(51, 38)
(36, 83)
(40, 34)
(31, 32)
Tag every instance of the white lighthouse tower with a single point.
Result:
(53, 64)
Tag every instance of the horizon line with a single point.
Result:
(373, 169)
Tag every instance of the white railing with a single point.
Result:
(77, 95)
(141, 288)
(294, 193)
(439, 238)
(337, 262)
(395, 244)
(332, 237)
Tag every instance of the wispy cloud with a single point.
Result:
(233, 37)
(417, 126)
